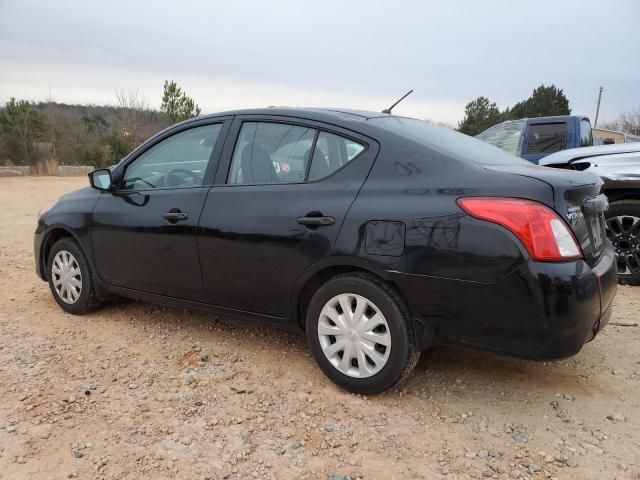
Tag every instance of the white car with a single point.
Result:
(619, 166)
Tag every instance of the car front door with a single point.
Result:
(276, 208)
(144, 232)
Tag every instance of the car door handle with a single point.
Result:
(175, 216)
(319, 221)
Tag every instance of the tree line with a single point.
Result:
(51, 133)
(481, 113)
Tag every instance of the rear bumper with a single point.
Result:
(541, 310)
(606, 272)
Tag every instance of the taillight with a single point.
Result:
(544, 234)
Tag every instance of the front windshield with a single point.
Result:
(447, 141)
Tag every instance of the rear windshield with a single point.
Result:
(546, 137)
(505, 136)
(447, 141)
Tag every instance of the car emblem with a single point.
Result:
(574, 213)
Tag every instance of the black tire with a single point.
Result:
(624, 233)
(403, 355)
(87, 299)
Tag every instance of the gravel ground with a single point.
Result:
(137, 391)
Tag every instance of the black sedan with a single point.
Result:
(379, 235)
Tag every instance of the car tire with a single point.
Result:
(623, 229)
(70, 278)
(376, 333)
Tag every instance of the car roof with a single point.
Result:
(552, 118)
(349, 119)
(567, 156)
(320, 114)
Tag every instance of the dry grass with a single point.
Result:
(46, 168)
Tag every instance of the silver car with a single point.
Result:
(619, 166)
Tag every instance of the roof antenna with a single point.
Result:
(388, 110)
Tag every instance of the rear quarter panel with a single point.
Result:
(419, 188)
(466, 281)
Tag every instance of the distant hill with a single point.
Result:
(97, 135)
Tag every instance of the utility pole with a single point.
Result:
(595, 123)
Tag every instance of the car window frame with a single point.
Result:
(234, 134)
(212, 165)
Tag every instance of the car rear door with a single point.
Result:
(281, 194)
(144, 232)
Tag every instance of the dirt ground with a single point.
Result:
(137, 391)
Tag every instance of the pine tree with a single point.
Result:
(176, 105)
(479, 115)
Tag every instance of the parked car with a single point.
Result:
(396, 235)
(564, 142)
(535, 138)
(619, 166)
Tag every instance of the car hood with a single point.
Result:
(80, 193)
(623, 168)
(78, 201)
(565, 157)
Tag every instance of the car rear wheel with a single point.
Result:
(70, 278)
(359, 332)
(623, 229)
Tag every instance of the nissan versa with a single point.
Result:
(379, 235)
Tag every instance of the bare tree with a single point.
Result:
(137, 118)
(626, 122)
(613, 125)
(133, 110)
(61, 143)
(630, 122)
(52, 117)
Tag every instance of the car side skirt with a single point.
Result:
(172, 302)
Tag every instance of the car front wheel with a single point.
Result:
(360, 334)
(70, 278)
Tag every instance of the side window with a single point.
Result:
(270, 153)
(178, 161)
(331, 153)
(586, 138)
(546, 137)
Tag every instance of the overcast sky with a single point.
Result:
(235, 54)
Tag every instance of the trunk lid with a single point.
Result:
(577, 198)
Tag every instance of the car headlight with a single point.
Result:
(47, 207)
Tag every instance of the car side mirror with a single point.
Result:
(101, 179)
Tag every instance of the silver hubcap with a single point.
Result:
(67, 279)
(354, 335)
